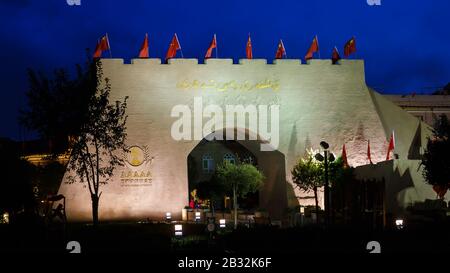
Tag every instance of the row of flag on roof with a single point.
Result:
(391, 148)
(175, 46)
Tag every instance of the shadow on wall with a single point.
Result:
(291, 196)
(273, 196)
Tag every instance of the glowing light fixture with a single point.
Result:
(197, 216)
(178, 230)
(168, 216)
(399, 223)
(222, 223)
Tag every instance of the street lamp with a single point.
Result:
(326, 158)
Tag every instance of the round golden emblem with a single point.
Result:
(135, 156)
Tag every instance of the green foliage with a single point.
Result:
(436, 158)
(238, 180)
(338, 173)
(307, 174)
(246, 178)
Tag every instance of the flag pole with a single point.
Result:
(249, 38)
(217, 46)
(148, 50)
(318, 47)
(181, 50)
(109, 46)
(284, 49)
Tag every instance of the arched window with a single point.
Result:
(208, 163)
(229, 158)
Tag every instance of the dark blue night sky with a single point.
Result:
(405, 44)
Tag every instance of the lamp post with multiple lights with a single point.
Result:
(326, 158)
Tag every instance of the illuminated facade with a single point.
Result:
(316, 101)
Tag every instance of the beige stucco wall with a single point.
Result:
(318, 101)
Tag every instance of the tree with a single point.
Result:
(80, 108)
(436, 158)
(340, 177)
(94, 152)
(239, 179)
(212, 190)
(56, 107)
(307, 174)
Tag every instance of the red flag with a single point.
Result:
(312, 49)
(143, 52)
(335, 57)
(344, 156)
(350, 47)
(280, 50)
(103, 45)
(211, 47)
(391, 146)
(248, 48)
(97, 51)
(173, 47)
(369, 157)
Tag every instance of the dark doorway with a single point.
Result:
(202, 163)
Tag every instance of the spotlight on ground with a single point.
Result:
(168, 216)
(178, 230)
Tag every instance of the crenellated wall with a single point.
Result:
(317, 101)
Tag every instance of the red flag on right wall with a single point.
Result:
(350, 47)
(369, 156)
(391, 146)
(344, 156)
(143, 52)
(281, 51)
(312, 49)
(335, 57)
(212, 45)
(173, 47)
(248, 48)
(102, 45)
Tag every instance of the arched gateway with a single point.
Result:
(173, 106)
